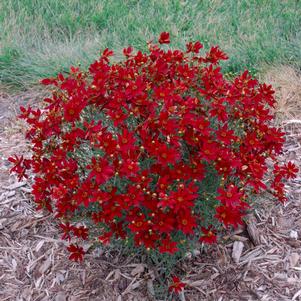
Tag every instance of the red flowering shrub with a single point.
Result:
(158, 150)
(176, 286)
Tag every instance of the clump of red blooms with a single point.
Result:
(177, 285)
(121, 151)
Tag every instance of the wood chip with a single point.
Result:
(294, 259)
(294, 234)
(294, 243)
(7, 195)
(182, 296)
(39, 245)
(296, 295)
(237, 250)
(26, 190)
(252, 229)
(116, 274)
(15, 185)
(45, 266)
(59, 278)
(196, 252)
(61, 296)
(239, 238)
(198, 283)
(150, 288)
(119, 298)
(138, 270)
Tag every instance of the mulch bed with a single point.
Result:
(258, 262)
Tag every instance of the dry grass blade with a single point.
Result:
(287, 83)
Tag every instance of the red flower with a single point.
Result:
(180, 199)
(128, 168)
(106, 237)
(163, 222)
(107, 142)
(67, 229)
(39, 188)
(176, 286)
(106, 54)
(291, 170)
(219, 110)
(118, 117)
(112, 209)
(168, 246)
(59, 191)
(72, 110)
(208, 235)
(215, 55)
(101, 170)
(139, 224)
(48, 81)
(229, 216)
(164, 154)
(186, 222)
(77, 253)
(164, 38)
(278, 190)
(147, 238)
(117, 229)
(194, 47)
(268, 94)
(20, 167)
(208, 151)
(225, 135)
(128, 51)
(202, 125)
(83, 194)
(81, 232)
(230, 197)
(126, 142)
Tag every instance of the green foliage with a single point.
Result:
(40, 38)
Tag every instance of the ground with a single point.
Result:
(33, 264)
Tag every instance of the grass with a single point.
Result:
(40, 38)
(287, 82)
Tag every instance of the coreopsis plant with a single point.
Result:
(159, 151)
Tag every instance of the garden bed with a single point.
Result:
(33, 257)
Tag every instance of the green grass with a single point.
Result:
(40, 38)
